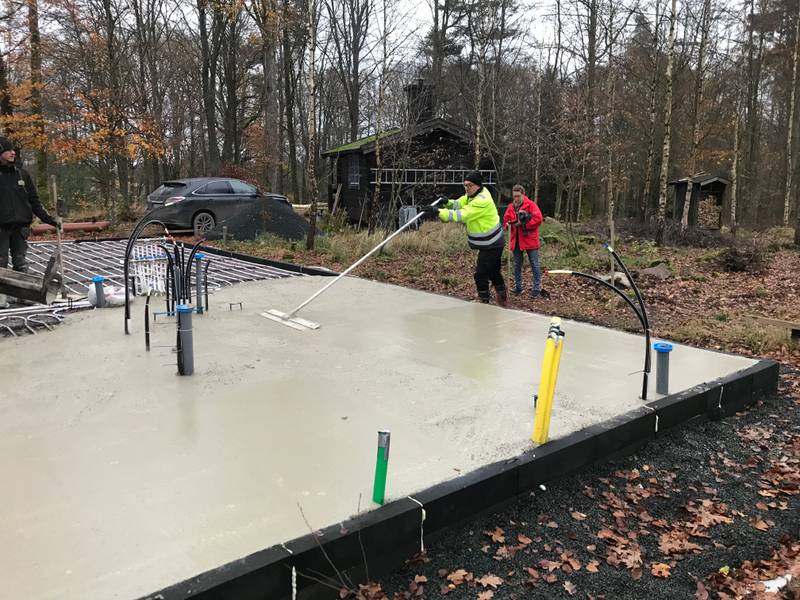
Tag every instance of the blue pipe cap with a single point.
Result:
(183, 308)
(199, 256)
(662, 347)
(98, 279)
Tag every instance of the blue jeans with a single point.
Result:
(533, 257)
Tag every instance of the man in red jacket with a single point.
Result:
(524, 217)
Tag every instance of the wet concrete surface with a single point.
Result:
(120, 477)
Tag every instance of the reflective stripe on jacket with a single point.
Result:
(479, 214)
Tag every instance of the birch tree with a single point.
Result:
(787, 194)
(697, 112)
(661, 219)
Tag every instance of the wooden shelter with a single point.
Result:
(428, 158)
(707, 200)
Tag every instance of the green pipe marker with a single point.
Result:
(381, 467)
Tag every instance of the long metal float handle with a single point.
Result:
(357, 263)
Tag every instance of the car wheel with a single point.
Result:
(203, 222)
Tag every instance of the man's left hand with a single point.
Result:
(429, 211)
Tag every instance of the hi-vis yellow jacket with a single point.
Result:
(479, 214)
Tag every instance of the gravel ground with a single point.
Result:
(702, 497)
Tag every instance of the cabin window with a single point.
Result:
(353, 172)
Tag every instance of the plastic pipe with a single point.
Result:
(381, 467)
(662, 366)
(185, 340)
(198, 281)
(547, 382)
(98, 280)
(147, 323)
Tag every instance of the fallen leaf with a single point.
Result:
(420, 579)
(660, 570)
(550, 578)
(458, 576)
(498, 535)
(486, 595)
(524, 540)
(760, 525)
(592, 566)
(578, 516)
(549, 565)
(701, 593)
(570, 587)
(490, 580)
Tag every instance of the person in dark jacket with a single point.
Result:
(19, 201)
(477, 211)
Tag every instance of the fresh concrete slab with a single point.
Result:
(121, 477)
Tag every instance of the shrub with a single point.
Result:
(741, 258)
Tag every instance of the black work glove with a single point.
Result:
(429, 211)
(442, 201)
(524, 217)
(50, 221)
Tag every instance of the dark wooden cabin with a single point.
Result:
(707, 202)
(426, 159)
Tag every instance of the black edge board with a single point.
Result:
(452, 501)
(268, 262)
(390, 534)
(245, 257)
(678, 408)
(266, 575)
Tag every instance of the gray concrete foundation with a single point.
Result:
(121, 478)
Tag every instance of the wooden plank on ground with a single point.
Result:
(792, 327)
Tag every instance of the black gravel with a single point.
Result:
(704, 460)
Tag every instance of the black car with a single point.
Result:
(199, 203)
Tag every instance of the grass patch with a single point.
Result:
(736, 334)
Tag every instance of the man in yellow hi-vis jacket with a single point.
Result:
(476, 209)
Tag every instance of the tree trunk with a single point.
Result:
(610, 90)
(651, 148)
(289, 101)
(697, 113)
(787, 193)
(479, 112)
(661, 223)
(36, 98)
(537, 138)
(311, 158)
(209, 87)
(735, 168)
(376, 192)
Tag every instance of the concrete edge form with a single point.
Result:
(268, 262)
(387, 536)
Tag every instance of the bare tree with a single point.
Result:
(312, 20)
(349, 24)
(787, 194)
(697, 112)
(645, 202)
(665, 149)
(36, 94)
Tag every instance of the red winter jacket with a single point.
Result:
(523, 237)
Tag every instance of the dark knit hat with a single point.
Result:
(5, 144)
(474, 177)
